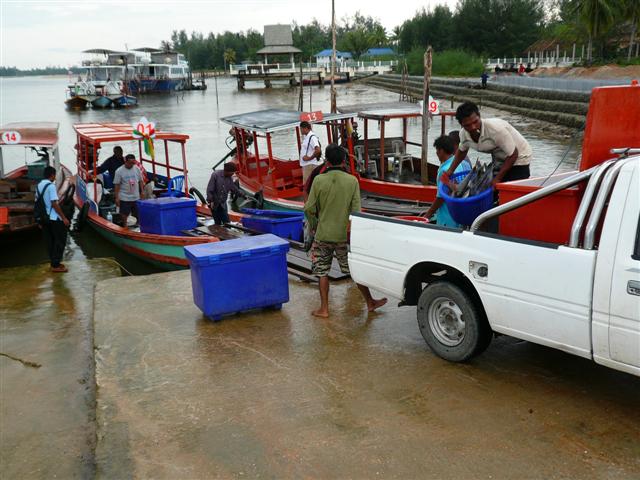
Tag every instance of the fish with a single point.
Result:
(477, 181)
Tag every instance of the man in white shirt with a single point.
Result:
(510, 152)
(310, 151)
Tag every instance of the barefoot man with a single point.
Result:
(334, 196)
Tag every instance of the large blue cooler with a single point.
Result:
(241, 274)
(167, 215)
(283, 223)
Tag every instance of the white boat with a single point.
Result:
(159, 71)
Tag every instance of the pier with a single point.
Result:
(270, 72)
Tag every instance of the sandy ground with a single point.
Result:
(603, 72)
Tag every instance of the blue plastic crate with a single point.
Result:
(167, 215)
(241, 274)
(285, 224)
(465, 210)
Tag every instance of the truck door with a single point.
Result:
(624, 307)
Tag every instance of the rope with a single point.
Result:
(575, 135)
(113, 260)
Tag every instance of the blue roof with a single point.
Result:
(327, 53)
(380, 51)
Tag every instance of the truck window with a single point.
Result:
(636, 247)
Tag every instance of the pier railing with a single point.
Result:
(351, 67)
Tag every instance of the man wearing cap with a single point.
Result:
(220, 184)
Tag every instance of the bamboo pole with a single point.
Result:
(424, 165)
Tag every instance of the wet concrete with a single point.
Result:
(47, 389)
(284, 395)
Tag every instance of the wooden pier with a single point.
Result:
(290, 72)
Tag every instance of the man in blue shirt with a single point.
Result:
(55, 230)
(445, 150)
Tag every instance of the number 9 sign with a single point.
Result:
(434, 106)
(11, 138)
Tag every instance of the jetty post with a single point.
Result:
(424, 165)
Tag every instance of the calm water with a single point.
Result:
(198, 114)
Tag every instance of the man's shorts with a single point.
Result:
(129, 208)
(322, 257)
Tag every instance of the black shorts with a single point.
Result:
(129, 208)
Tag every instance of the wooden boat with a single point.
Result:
(17, 187)
(280, 179)
(163, 251)
(125, 101)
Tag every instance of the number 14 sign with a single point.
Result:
(11, 138)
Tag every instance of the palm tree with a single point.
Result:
(229, 57)
(597, 16)
(631, 9)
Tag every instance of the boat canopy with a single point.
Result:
(273, 120)
(43, 134)
(100, 51)
(384, 110)
(117, 132)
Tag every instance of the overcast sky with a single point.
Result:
(42, 33)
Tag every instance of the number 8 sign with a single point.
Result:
(11, 138)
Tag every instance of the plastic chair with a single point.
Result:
(175, 187)
(398, 148)
(359, 149)
(402, 159)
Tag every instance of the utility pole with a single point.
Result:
(424, 165)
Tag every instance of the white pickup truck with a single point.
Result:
(582, 297)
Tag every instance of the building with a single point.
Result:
(324, 57)
(379, 52)
(278, 40)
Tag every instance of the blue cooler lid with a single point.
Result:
(168, 202)
(208, 253)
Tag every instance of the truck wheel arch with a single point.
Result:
(427, 272)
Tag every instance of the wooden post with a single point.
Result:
(256, 154)
(270, 152)
(301, 97)
(185, 172)
(424, 164)
(366, 144)
(334, 107)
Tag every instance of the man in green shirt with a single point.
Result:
(334, 196)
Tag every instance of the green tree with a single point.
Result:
(597, 16)
(229, 57)
(631, 10)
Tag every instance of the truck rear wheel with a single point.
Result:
(451, 323)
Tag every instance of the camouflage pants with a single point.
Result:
(322, 257)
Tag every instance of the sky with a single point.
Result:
(42, 33)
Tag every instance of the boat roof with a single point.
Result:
(33, 133)
(383, 110)
(102, 51)
(118, 132)
(274, 119)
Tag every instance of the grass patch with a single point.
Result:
(449, 63)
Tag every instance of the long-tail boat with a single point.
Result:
(96, 208)
(18, 186)
(390, 178)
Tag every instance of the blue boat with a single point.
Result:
(101, 101)
(125, 101)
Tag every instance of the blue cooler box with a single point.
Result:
(285, 224)
(167, 215)
(241, 274)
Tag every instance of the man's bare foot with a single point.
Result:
(375, 304)
(320, 313)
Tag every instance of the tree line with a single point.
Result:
(16, 72)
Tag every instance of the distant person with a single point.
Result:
(112, 163)
(334, 196)
(445, 151)
(484, 77)
(218, 188)
(55, 229)
(510, 152)
(310, 152)
(129, 188)
(521, 69)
